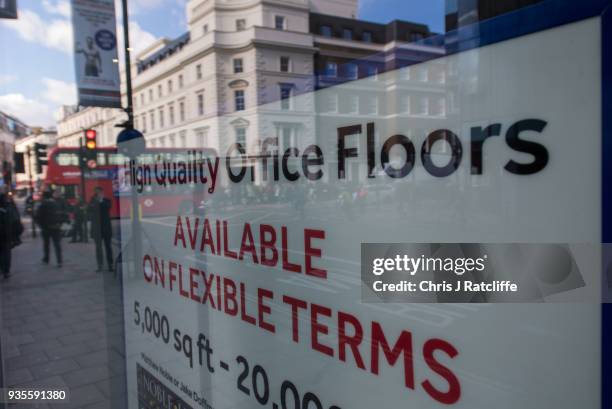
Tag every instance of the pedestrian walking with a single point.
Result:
(78, 221)
(49, 218)
(10, 232)
(101, 229)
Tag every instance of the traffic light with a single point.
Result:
(40, 152)
(91, 146)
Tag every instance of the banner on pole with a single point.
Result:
(95, 53)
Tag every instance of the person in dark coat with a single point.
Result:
(101, 229)
(10, 232)
(49, 218)
(78, 221)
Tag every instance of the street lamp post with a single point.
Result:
(130, 141)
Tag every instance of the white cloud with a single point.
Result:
(30, 111)
(61, 7)
(139, 38)
(7, 79)
(59, 92)
(55, 34)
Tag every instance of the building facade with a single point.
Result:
(33, 174)
(75, 120)
(11, 129)
(246, 71)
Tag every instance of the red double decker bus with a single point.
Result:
(64, 173)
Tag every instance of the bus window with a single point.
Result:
(67, 159)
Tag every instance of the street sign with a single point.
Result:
(95, 53)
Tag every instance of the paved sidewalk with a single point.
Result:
(62, 327)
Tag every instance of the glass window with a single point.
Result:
(180, 81)
(150, 95)
(239, 100)
(366, 37)
(142, 99)
(238, 65)
(199, 71)
(240, 24)
(325, 31)
(372, 72)
(347, 34)
(285, 94)
(181, 111)
(241, 136)
(285, 64)
(331, 69)
(353, 104)
(161, 117)
(160, 91)
(171, 113)
(279, 22)
(200, 98)
(152, 120)
(205, 29)
(169, 86)
(332, 103)
(352, 71)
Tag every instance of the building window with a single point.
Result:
(171, 114)
(180, 81)
(199, 71)
(171, 141)
(183, 139)
(161, 117)
(423, 74)
(331, 69)
(181, 111)
(325, 31)
(352, 104)
(279, 22)
(152, 120)
(347, 34)
(286, 136)
(238, 68)
(205, 29)
(405, 104)
(240, 24)
(352, 71)
(438, 107)
(150, 95)
(142, 99)
(373, 105)
(285, 64)
(415, 37)
(144, 123)
(160, 91)
(366, 37)
(239, 100)
(169, 86)
(202, 137)
(422, 105)
(241, 136)
(332, 103)
(372, 72)
(200, 103)
(285, 94)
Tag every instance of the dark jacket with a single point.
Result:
(48, 215)
(10, 224)
(99, 214)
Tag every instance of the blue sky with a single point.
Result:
(36, 66)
